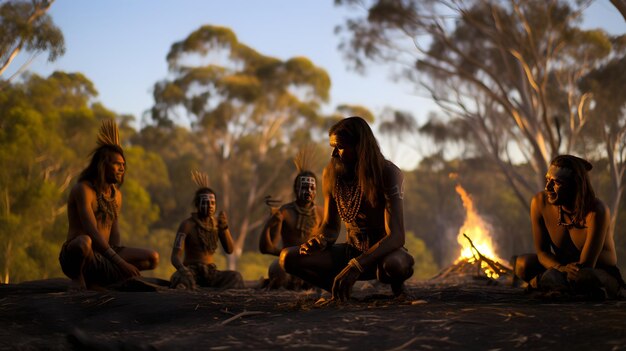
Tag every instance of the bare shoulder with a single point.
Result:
(600, 210)
(325, 171)
(186, 225)
(287, 207)
(82, 189)
(118, 194)
(538, 201)
(392, 175)
(83, 186)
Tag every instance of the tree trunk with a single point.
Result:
(226, 186)
(10, 58)
(7, 262)
(614, 208)
(616, 170)
(245, 220)
(620, 5)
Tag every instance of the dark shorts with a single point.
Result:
(278, 278)
(97, 270)
(207, 275)
(614, 272)
(590, 279)
(341, 254)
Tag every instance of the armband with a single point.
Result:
(353, 262)
(117, 259)
(223, 228)
(113, 256)
(395, 191)
(109, 253)
(180, 237)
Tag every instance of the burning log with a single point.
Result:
(498, 268)
(479, 267)
(473, 264)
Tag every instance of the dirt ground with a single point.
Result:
(45, 315)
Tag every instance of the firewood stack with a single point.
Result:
(479, 268)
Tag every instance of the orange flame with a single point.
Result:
(477, 230)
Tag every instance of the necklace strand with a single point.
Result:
(348, 201)
(306, 220)
(562, 222)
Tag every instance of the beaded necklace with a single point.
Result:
(306, 221)
(348, 197)
(206, 233)
(569, 225)
(107, 207)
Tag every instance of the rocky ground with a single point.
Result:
(469, 316)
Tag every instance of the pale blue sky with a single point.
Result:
(121, 46)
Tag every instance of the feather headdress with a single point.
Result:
(108, 135)
(200, 178)
(304, 158)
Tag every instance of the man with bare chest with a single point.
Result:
(197, 238)
(92, 256)
(575, 251)
(293, 224)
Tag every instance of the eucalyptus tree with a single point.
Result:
(44, 122)
(244, 109)
(508, 70)
(25, 26)
(604, 85)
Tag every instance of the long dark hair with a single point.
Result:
(585, 196)
(96, 170)
(370, 161)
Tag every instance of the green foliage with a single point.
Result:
(47, 129)
(137, 213)
(42, 162)
(431, 206)
(254, 265)
(145, 171)
(425, 266)
(161, 240)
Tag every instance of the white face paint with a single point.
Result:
(206, 205)
(306, 189)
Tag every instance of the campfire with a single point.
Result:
(477, 258)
